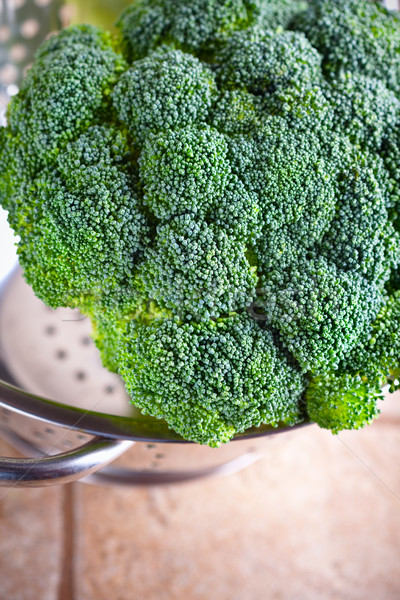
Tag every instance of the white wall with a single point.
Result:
(8, 256)
(392, 4)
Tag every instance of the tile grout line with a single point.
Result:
(66, 588)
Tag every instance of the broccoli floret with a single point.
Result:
(188, 25)
(108, 327)
(236, 112)
(14, 183)
(304, 110)
(390, 154)
(346, 399)
(378, 360)
(290, 173)
(361, 238)
(66, 89)
(363, 108)
(196, 270)
(165, 90)
(184, 170)
(338, 402)
(354, 35)
(211, 379)
(85, 225)
(274, 14)
(263, 62)
(321, 312)
(238, 212)
(199, 25)
(110, 318)
(216, 187)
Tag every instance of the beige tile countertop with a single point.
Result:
(318, 518)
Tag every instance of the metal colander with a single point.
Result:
(57, 402)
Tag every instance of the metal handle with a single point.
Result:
(61, 468)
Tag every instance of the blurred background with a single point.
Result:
(316, 518)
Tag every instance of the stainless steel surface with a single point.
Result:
(60, 468)
(164, 467)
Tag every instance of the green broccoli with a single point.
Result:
(262, 61)
(196, 270)
(320, 311)
(378, 360)
(212, 379)
(199, 25)
(164, 90)
(361, 37)
(184, 171)
(236, 112)
(346, 398)
(338, 402)
(373, 247)
(216, 186)
(66, 90)
(83, 222)
(363, 108)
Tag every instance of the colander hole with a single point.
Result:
(38, 434)
(5, 33)
(18, 3)
(50, 431)
(80, 375)
(8, 74)
(109, 389)
(86, 341)
(81, 436)
(61, 354)
(18, 53)
(67, 443)
(66, 14)
(160, 455)
(30, 28)
(150, 445)
(50, 330)
(12, 89)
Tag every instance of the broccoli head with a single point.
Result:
(216, 186)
